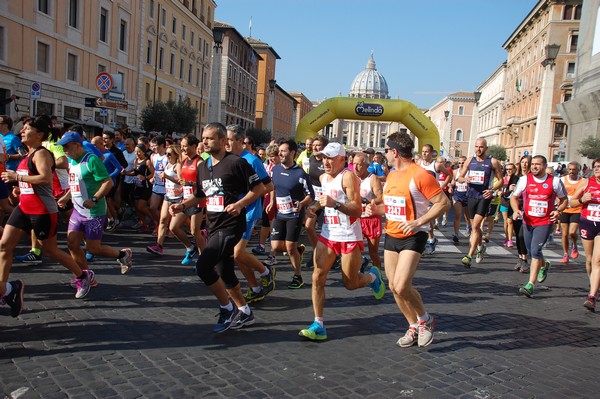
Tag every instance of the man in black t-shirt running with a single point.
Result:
(227, 183)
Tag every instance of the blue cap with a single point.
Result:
(70, 137)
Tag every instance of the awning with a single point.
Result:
(137, 130)
(94, 123)
(74, 121)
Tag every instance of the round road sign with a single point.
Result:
(104, 82)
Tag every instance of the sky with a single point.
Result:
(425, 49)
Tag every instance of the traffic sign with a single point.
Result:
(525, 152)
(104, 82)
(108, 103)
(103, 112)
(116, 95)
(36, 90)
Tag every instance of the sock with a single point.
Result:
(319, 320)
(245, 309)
(8, 289)
(228, 307)
(424, 317)
(265, 273)
(373, 277)
(36, 251)
(121, 254)
(82, 276)
(256, 290)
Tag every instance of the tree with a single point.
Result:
(497, 152)
(170, 117)
(259, 136)
(590, 147)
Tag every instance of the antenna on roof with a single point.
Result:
(250, 27)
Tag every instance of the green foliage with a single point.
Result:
(498, 152)
(170, 117)
(590, 147)
(259, 136)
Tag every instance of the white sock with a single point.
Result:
(265, 273)
(424, 317)
(319, 320)
(228, 307)
(8, 289)
(256, 290)
(245, 309)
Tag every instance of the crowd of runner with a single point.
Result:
(211, 194)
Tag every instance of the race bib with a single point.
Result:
(395, 208)
(25, 188)
(331, 216)
(216, 203)
(537, 208)
(74, 185)
(188, 191)
(318, 192)
(461, 187)
(173, 192)
(305, 163)
(477, 177)
(593, 212)
(285, 205)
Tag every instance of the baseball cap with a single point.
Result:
(369, 151)
(333, 150)
(70, 137)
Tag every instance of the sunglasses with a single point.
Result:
(387, 149)
(170, 153)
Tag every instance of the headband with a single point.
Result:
(402, 151)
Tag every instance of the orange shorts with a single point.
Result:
(371, 227)
(342, 247)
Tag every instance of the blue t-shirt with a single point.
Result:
(376, 169)
(13, 143)
(113, 167)
(89, 147)
(293, 183)
(254, 210)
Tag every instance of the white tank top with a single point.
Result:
(366, 193)
(173, 190)
(430, 167)
(338, 226)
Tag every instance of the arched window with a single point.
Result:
(459, 135)
(461, 110)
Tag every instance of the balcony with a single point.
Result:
(513, 120)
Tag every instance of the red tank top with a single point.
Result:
(538, 201)
(189, 173)
(34, 199)
(591, 210)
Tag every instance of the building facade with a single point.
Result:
(265, 91)
(535, 84)
(453, 117)
(303, 106)
(490, 108)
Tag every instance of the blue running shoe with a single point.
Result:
(30, 258)
(226, 319)
(314, 332)
(378, 286)
(89, 257)
(190, 256)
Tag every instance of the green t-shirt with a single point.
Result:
(86, 175)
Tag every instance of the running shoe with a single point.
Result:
(378, 285)
(364, 264)
(590, 303)
(126, 261)
(426, 331)
(155, 249)
(409, 339)
(226, 319)
(519, 264)
(110, 225)
(250, 296)
(271, 260)
(455, 238)
(565, 258)
(527, 290)
(29, 258)
(73, 282)
(268, 282)
(15, 298)
(543, 273)
(258, 250)
(89, 257)
(466, 261)
(242, 320)
(479, 254)
(524, 267)
(190, 256)
(505, 243)
(574, 252)
(314, 332)
(444, 220)
(84, 284)
(469, 231)
(296, 282)
(337, 263)
(486, 237)
(510, 244)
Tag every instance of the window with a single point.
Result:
(172, 64)
(181, 69)
(123, 35)
(566, 97)
(161, 58)
(163, 18)
(103, 34)
(44, 6)
(147, 91)
(43, 108)
(192, 38)
(459, 135)
(190, 73)
(72, 112)
(101, 68)
(572, 12)
(151, 6)
(159, 94)
(573, 44)
(43, 57)
(2, 45)
(73, 11)
(122, 75)
(461, 110)
(183, 32)
(560, 130)
(570, 69)
(149, 52)
(174, 26)
(72, 61)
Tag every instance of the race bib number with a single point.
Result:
(173, 192)
(331, 216)
(395, 208)
(25, 188)
(305, 163)
(74, 185)
(593, 212)
(537, 208)
(216, 203)
(461, 187)
(285, 205)
(477, 177)
(188, 191)
(318, 192)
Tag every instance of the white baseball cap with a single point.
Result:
(333, 150)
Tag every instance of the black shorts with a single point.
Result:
(416, 243)
(588, 229)
(141, 193)
(570, 217)
(478, 206)
(493, 209)
(116, 186)
(44, 226)
(286, 229)
(126, 192)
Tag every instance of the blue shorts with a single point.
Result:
(249, 227)
(503, 209)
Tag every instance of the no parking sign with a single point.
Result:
(104, 82)
(36, 90)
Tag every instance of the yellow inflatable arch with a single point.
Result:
(370, 109)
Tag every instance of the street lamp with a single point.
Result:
(218, 38)
(551, 54)
(271, 105)
(477, 95)
(446, 114)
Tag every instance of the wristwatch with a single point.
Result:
(94, 199)
(337, 205)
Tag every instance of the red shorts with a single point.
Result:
(371, 227)
(342, 247)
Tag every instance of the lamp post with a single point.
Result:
(271, 105)
(543, 137)
(474, 121)
(447, 133)
(214, 105)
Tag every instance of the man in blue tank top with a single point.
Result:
(479, 172)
